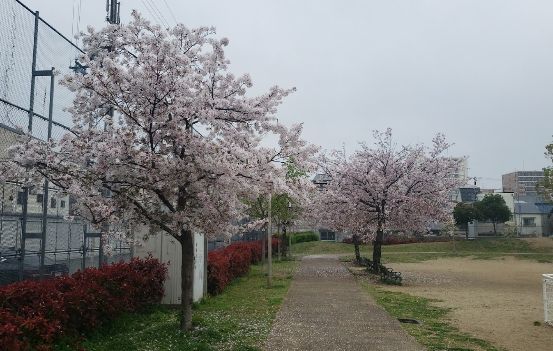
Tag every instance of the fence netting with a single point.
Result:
(68, 245)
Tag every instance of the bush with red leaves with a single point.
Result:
(34, 314)
(223, 265)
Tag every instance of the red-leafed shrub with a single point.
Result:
(33, 314)
(223, 265)
(218, 271)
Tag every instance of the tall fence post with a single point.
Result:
(33, 80)
(45, 195)
(84, 248)
(25, 199)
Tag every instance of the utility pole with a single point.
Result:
(112, 9)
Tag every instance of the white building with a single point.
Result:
(168, 250)
(530, 216)
(461, 172)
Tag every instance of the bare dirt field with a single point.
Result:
(495, 300)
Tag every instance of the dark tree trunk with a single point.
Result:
(187, 279)
(355, 239)
(263, 246)
(279, 244)
(284, 242)
(377, 249)
(494, 230)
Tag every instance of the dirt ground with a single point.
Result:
(495, 300)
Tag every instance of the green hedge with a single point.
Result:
(303, 237)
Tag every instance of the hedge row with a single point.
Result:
(223, 265)
(303, 237)
(34, 314)
(403, 239)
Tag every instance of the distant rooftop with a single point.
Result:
(532, 205)
(322, 178)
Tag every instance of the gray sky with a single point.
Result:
(479, 71)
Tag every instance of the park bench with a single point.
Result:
(387, 275)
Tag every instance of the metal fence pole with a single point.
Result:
(45, 195)
(29, 129)
(32, 98)
(84, 248)
(101, 251)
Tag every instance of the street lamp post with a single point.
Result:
(289, 232)
(269, 241)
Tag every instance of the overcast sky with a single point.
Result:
(479, 71)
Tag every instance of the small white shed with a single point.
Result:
(167, 249)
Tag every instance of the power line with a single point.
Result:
(154, 6)
(171, 11)
(153, 13)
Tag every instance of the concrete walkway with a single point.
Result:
(327, 310)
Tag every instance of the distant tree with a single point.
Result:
(388, 188)
(464, 213)
(286, 207)
(494, 209)
(545, 187)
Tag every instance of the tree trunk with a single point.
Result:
(284, 242)
(187, 279)
(355, 239)
(263, 246)
(279, 244)
(494, 230)
(377, 249)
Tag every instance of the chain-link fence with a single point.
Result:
(35, 239)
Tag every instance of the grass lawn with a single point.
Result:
(480, 249)
(434, 331)
(238, 319)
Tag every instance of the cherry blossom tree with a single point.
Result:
(164, 136)
(388, 188)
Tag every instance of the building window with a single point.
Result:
(529, 222)
(52, 203)
(62, 204)
(39, 198)
(20, 197)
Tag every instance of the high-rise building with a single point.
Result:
(461, 172)
(521, 182)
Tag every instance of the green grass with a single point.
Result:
(435, 331)
(478, 249)
(239, 319)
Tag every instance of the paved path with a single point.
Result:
(327, 310)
